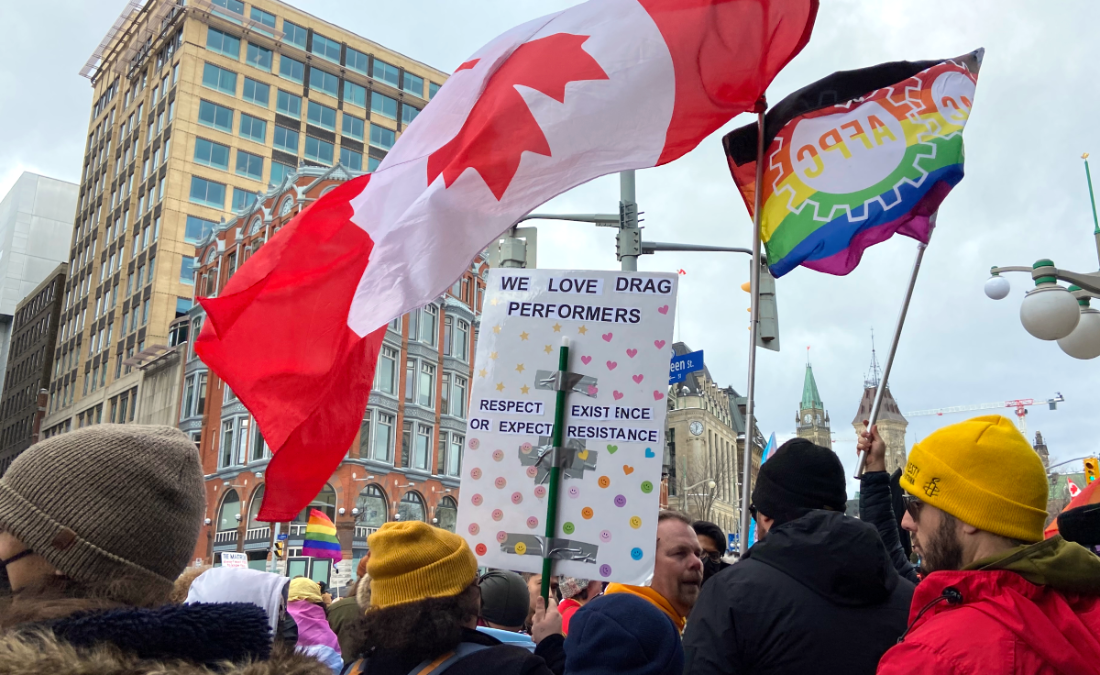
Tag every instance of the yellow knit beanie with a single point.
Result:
(411, 561)
(983, 472)
(304, 589)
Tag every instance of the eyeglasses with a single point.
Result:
(752, 511)
(714, 556)
(913, 505)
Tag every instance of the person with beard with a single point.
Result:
(677, 569)
(817, 593)
(995, 598)
(713, 542)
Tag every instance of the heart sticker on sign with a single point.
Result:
(627, 469)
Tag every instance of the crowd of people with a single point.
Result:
(97, 528)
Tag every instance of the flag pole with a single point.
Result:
(556, 440)
(754, 326)
(881, 390)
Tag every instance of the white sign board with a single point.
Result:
(234, 559)
(619, 326)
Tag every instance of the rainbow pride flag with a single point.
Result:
(856, 157)
(320, 539)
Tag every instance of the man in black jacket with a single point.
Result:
(817, 594)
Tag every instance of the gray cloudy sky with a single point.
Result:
(1024, 197)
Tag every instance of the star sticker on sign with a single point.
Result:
(557, 328)
(519, 368)
(500, 386)
(582, 330)
(494, 302)
(493, 356)
(547, 349)
(482, 373)
(496, 328)
(523, 336)
(524, 389)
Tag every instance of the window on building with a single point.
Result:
(196, 229)
(462, 340)
(220, 79)
(322, 81)
(209, 153)
(188, 398)
(429, 324)
(372, 163)
(255, 92)
(288, 104)
(258, 56)
(253, 128)
(278, 171)
(187, 270)
(229, 428)
(351, 159)
(383, 438)
(381, 137)
(448, 334)
(318, 150)
(357, 61)
(352, 127)
(207, 192)
(259, 447)
(413, 84)
(286, 139)
(410, 380)
(216, 116)
(383, 105)
(384, 72)
(458, 396)
(249, 165)
(422, 449)
(326, 48)
(355, 94)
(235, 6)
(200, 395)
(385, 377)
(294, 34)
(432, 89)
(243, 199)
(262, 17)
(408, 113)
(295, 71)
(426, 385)
(321, 115)
(222, 43)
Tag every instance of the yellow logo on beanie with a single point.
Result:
(911, 471)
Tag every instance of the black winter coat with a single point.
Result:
(816, 595)
(876, 507)
(498, 659)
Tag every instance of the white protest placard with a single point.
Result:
(234, 559)
(619, 326)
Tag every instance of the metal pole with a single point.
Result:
(894, 343)
(1092, 200)
(627, 196)
(557, 439)
(754, 280)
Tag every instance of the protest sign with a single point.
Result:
(234, 559)
(619, 327)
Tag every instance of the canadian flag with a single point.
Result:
(1073, 489)
(605, 86)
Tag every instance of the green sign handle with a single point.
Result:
(555, 473)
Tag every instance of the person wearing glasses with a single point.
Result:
(713, 541)
(817, 594)
(995, 597)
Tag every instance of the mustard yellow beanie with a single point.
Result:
(983, 472)
(412, 561)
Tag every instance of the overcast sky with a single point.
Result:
(1024, 198)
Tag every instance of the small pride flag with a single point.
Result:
(320, 539)
(855, 158)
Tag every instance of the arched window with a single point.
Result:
(447, 513)
(411, 507)
(325, 502)
(257, 225)
(231, 508)
(254, 508)
(372, 507)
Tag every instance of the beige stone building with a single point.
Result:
(705, 442)
(891, 425)
(197, 108)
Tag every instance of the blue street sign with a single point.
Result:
(281, 536)
(734, 541)
(682, 365)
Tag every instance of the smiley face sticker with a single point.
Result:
(521, 548)
(636, 553)
(587, 513)
(526, 448)
(500, 482)
(532, 522)
(568, 528)
(605, 570)
(620, 501)
(481, 549)
(574, 492)
(476, 500)
(647, 487)
(502, 537)
(498, 515)
(475, 473)
(474, 443)
(517, 497)
(498, 455)
(635, 522)
(474, 529)
(604, 481)
(605, 536)
(532, 471)
(540, 491)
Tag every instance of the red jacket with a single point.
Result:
(567, 608)
(994, 621)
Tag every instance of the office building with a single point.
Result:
(197, 108)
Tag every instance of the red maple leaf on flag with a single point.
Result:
(500, 127)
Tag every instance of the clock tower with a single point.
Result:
(812, 422)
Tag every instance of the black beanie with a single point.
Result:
(800, 476)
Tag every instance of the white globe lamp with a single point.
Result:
(1084, 342)
(1049, 311)
(997, 288)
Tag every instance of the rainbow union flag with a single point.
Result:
(320, 539)
(856, 157)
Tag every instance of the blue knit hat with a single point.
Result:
(622, 634)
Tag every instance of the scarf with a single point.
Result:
(658, 600)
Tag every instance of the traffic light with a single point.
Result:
(279, 548)
(1092, 470)
(768, 334)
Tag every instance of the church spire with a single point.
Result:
(810, 398)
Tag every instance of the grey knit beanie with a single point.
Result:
(108, 502)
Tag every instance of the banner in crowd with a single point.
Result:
(619, 327)
(856, 157)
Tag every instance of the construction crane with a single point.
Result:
(1021, 405)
